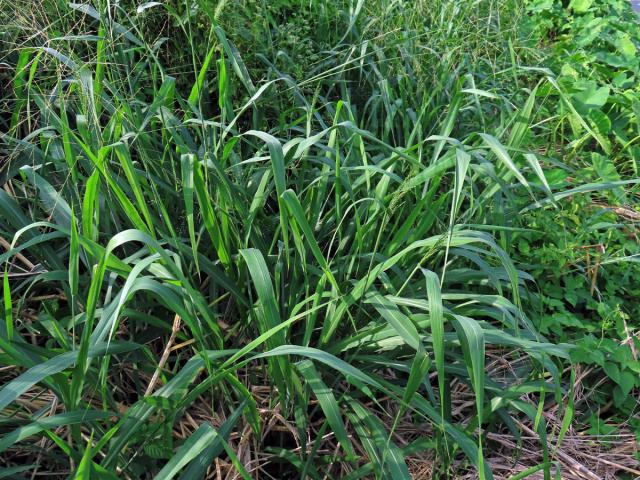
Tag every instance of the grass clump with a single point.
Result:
(281, 245)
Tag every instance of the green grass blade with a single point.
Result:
(329, 405)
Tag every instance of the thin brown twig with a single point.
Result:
(567, 460)
(165, 355)
(19, 256)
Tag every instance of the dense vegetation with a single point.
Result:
(319, 239)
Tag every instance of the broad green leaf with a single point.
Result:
(51, 423)
(329, 405)
(16, 387)
(436, 317)
(198, 468)
(473, 345)
(400, 322)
